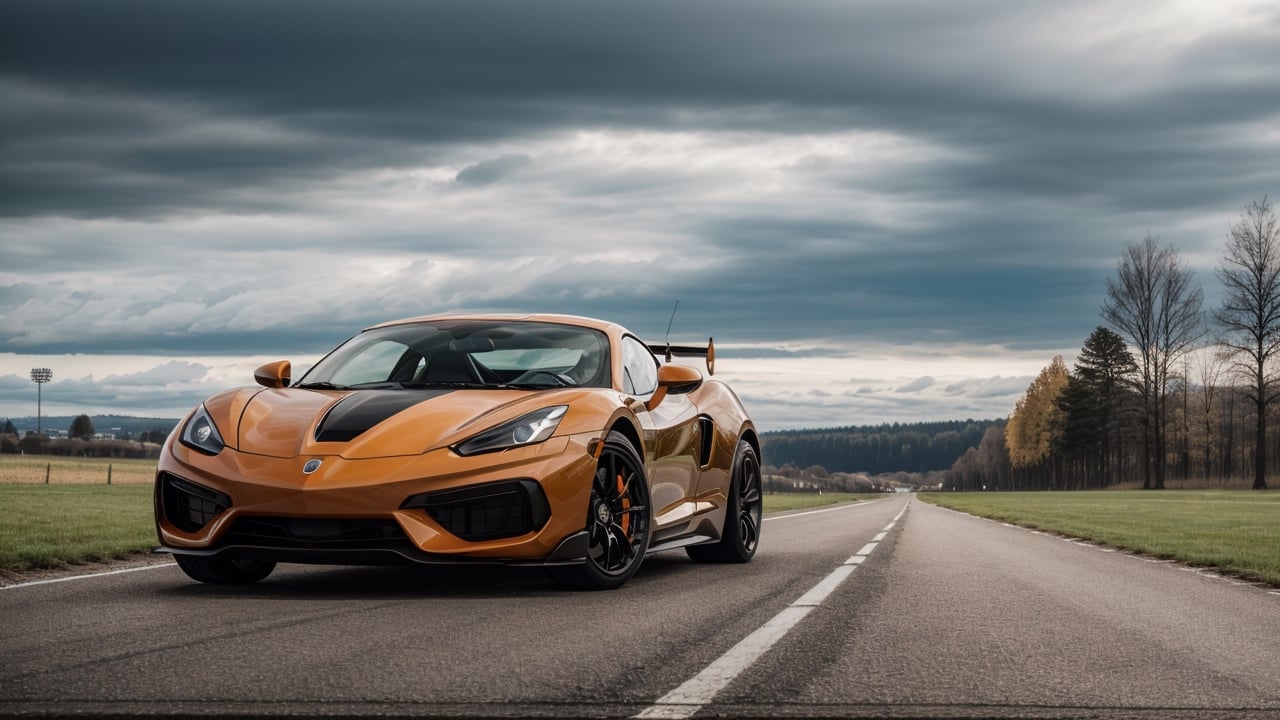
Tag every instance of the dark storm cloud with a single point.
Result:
(247, 177)
(384, 83)
(491, 171)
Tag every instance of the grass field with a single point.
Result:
(43, 526)
(74, 470)
(1237, 532)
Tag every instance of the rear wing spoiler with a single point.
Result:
(667, 351)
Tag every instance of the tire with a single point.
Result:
(618, 520)
(741, 535)
(224, 571)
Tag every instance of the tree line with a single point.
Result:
(1165, 389)
(80, 442)
(876, 449)
(33, 444)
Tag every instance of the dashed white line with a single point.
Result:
(819, 592)
(689, 697)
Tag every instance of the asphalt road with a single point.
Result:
(843, 613)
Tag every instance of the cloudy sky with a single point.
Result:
(883, 211)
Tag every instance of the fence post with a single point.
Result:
(108, 473)
(46, 473)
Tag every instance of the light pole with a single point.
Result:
(40, 376)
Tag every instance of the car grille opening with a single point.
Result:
(314, 533)
(487, 512)
(188, 506)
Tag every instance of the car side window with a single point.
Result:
(639, 368)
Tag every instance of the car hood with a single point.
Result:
(288, 422)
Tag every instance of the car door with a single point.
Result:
(671, 436)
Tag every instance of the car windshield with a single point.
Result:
(466, 353)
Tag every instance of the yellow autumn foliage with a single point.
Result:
(1036, 421)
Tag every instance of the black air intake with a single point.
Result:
(314, 533)
(487, 512)
(190, 506)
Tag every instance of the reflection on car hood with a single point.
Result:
(288, 422)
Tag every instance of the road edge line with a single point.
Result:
(69, 578)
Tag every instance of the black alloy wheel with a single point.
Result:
(617, 521)
(741, 535)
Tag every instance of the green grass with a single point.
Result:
(46, 526)
(1236, 532)
(774, 502)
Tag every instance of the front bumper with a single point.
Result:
(435, 508)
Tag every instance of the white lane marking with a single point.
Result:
(880, 536)
(819, 592)
(823, 510)
(687, 699)
(84, 577)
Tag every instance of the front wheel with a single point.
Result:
(742, 518)
(224, 571)
(617, 521)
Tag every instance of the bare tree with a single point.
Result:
(1209, 366)
(1249, 317)
(1153, 302)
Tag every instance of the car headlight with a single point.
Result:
(201, 434)
(526, 430)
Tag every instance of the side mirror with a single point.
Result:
(273, 374)
(674, 380)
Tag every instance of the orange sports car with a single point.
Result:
(548, 440)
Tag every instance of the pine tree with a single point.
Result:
(1104, 372)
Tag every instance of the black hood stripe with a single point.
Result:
(363, 409)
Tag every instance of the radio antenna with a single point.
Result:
(667, 339)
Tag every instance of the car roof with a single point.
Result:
(593, 323)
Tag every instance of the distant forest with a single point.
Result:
(118, 436)
(125, 427)
(877, 449)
